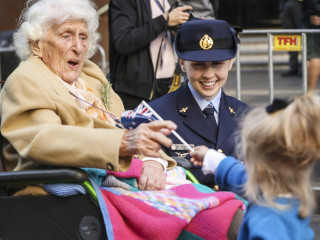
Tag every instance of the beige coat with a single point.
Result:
(44, 125)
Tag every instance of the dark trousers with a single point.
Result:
(291, 17)
(162, 87)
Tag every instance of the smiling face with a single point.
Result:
(207, 78)
(63, 48)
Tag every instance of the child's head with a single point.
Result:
(206, 49)
(279, 147)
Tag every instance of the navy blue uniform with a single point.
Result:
(181, 107)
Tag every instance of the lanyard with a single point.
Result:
(163, 44)
(159, 5)
(117, 120)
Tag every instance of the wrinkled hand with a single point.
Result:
(152, 176)
(198, 154)
(179, 15)
(147, 138)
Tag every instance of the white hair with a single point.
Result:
(39, 15)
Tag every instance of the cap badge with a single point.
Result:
(206, 42)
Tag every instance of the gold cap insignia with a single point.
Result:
(206, 42)
(183, 109)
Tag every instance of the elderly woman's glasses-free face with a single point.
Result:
(64, 47)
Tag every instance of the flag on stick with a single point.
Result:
(143, 114)
(131, 119)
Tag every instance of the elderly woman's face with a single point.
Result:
(63, 49)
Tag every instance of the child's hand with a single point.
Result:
(198, 154)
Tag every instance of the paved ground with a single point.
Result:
(255, 91)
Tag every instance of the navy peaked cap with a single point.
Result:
(205, 41)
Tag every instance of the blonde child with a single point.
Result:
(277, 146)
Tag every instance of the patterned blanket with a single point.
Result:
(183, 211)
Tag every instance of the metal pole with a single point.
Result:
(270, 70)
(304, 64)
(238, 74)
(0, 70)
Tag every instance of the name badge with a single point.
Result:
(180, 147)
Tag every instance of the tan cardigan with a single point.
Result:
(44, 125)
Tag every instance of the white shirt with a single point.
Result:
(203, 103)
(167, 54)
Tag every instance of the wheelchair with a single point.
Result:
(48, 216)
(51, 217)
(65, 218)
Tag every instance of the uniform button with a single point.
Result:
(220, 150)
(216, 188)
(110, 167)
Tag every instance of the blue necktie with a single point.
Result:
(210, 119)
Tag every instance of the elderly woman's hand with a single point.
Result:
(152, 176)
(147, 138)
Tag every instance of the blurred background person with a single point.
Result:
(290, 17)
(142, 61)
(311, 20)
(201, 8)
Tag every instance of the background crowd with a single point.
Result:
(58, 93)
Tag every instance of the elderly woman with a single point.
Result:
(57, 108)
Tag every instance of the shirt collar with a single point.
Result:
(203, 102)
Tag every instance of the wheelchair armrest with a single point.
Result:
(26, 177)
(182, 162)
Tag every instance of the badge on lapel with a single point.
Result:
(232, 111)
(183, 110)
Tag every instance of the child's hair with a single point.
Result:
(279, 147)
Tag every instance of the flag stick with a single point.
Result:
(173, 131)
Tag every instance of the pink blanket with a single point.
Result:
(190, 209)
(165, 214)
